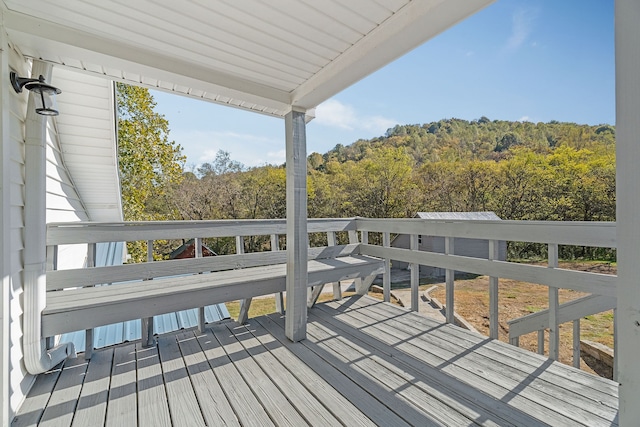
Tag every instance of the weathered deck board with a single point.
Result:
(92, 405)
(404, 330)
(314, 413)
(183, 403)
(364, 363)
(215, 407)
(507, 368)
(153, 409)
(245, 405)
(39, 395)
(317, 382)
(280, 410)
(122, 409)
(64, 399)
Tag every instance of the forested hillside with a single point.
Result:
(520, 170)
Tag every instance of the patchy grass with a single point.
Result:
(517, 299)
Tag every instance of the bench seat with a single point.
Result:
(85, 308)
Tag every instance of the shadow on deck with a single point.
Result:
(364, 363)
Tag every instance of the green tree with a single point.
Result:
(150, 164)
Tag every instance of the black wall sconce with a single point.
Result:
(37, 86)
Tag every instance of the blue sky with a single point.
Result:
(533, 60)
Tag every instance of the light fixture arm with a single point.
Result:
(38, 86)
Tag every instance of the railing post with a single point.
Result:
(386, 277)
(493, 293)
(615, 345)
(554, 333)
(147, 323)
(275, 246)
(576, 343)
(541, 341)
(88, 337)
(337, 290)
(449, 281)
(415, 274)
(245, 304)
(198, 254)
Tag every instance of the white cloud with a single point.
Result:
(334, 113)
(524, 119)
(521, 27)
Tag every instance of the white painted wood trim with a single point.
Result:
(554, 332)
(415, 274)
(602, 284)
(578, 233)
(297, 238)
(494, 322)
(576, 343)
(449, 281)
(386, 278)
(627, 34)
(96, 232)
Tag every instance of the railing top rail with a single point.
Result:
(578, 233)
(97, 232)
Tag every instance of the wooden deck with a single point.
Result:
(364, 363)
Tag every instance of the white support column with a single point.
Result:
(554, 303)
(415, 273)
(5, 229)
(627, 42)
(297, 237)
(494, 320)
(386, 278)
(449, 282)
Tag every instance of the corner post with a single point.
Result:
(297, 237)
(627, 34)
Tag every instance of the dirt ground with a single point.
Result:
(517, 299)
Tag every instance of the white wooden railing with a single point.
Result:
(588, 234)
(602, 287)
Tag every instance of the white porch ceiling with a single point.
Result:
(265, 56)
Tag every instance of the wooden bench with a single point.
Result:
(78, 299)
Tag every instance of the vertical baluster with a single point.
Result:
(198, 254)
(554, 333)
(449, 281)
(337, 290)
(541, 341)
(576, 343)
(245, 304)
(52, 264)
(386, 278)
(493, 293)
(415, 274)
(615, 345)
(147, 322)
(275, 246)
(88, 341)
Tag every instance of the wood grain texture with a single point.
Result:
(153, 409)
(122, 409)
(92, 406)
